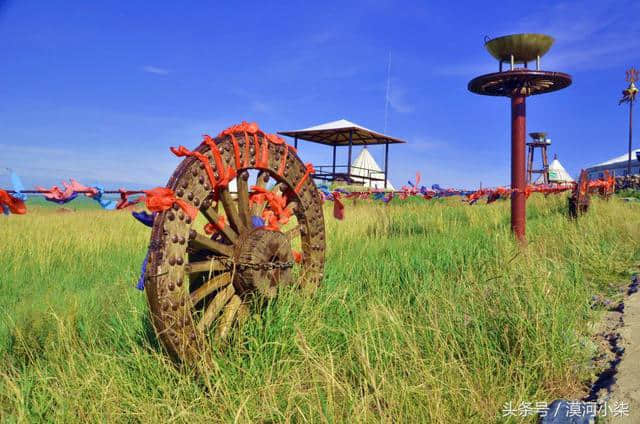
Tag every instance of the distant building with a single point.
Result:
(616, 166)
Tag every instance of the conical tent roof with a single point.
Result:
(557, 174)
(366, 166)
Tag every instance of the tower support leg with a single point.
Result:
(545, 164)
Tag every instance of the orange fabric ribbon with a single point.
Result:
(276, 212)
(297, 256)
(226, 174)
(308, 170)
(242, 128)
(219, 225)
(261, 152)
(338, 207)
(160, 199)
(183, 151)
(14, 204)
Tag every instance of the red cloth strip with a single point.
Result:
(276, 212)
(183, 151)
(261, 155)
(309, 170)
(338, 207)
(124, 199)
(246, 150)
(211, 227)
(262, 161)
(14, 204)
(236, 151)
(283, 161)
(160, 199)
(226, 174)
(297, 256)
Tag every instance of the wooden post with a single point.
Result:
(334, 161)
(545, 163)
(530, 164)
(386, 162)
(349, 163)
(295, 142)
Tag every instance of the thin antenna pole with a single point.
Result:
(386, 102)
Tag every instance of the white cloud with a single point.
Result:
(155, 70)
(597, 35)
(588, 35)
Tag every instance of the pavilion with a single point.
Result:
(346, 134)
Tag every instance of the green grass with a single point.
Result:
(429, 312)
(628, 193)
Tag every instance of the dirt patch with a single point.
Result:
(618, 340)
(627, 385)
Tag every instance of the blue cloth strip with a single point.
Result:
(143, 271)
(144, 217)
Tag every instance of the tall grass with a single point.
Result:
(429, 312)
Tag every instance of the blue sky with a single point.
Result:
(100, 90)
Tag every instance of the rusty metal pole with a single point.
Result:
(518, 83)
(630, 138)
(518, 174)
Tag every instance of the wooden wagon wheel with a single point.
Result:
(580, 199)
(198, 284)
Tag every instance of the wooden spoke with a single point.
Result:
(210, 286)
(231, 210)
(263, 178)
(215, 307)
(204, 266)
(228, 315)
(203, 242)
(212, 216)
(243, 199)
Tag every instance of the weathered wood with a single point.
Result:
(186, 337)
(231, 210)
(263, 178)
(203, 242)
(216, 305)
(212, 216)
(204, 266)
(243, 200)
(209, 287)
(228, 316)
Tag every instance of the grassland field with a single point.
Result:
(429, 313)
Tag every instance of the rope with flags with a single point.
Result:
(603, 186)
(276, 212)
(161, 198)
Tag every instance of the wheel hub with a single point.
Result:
(263, 262)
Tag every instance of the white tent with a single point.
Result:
(557, 174)
(366, 166)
